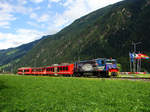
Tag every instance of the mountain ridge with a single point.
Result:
(107, 32)
(13, 55)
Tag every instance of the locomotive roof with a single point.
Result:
(99, 59)
(94, 59)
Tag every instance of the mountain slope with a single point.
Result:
(13, 55)
(107, 32)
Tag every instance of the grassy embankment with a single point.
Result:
(51, 94)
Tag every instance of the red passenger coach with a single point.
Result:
(60, 70)
(38, 71)
(22, 71)
(65, 69)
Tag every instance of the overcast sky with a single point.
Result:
(23, 21)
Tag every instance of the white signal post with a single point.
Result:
(134, 62)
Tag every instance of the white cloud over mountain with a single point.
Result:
(23, 21)
(21, 36)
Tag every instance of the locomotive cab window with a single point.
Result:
(111, 61)
(103, 62)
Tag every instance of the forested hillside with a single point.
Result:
(12, 55)
(107, 32)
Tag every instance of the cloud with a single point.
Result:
(22, 2)
(33, 16)
(34, 24)
(5, 16)
(36, 1)
(52, 18)
(8, 11)
(96, 4)
(43, 18)
(6, 7)
(54, 1)
(74, 10)
(4, 24)
(67, 3)
(77, 8)
(21, 36)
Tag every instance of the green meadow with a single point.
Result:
(58, 94)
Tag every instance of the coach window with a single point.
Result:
(48, 69)
(67, 68)
(26, 70)
(64, 69)
(58, 69)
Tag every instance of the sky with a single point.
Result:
(23, 21)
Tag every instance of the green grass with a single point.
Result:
(51, 94)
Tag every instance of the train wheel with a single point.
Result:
(114, 74)
(78, 74)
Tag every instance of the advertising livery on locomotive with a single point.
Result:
(100, 67)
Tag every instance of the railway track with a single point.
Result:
(132, 78)
(109, 78)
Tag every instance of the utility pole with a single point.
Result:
(130, 59)
(134, 62)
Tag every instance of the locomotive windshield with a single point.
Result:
(111, 61)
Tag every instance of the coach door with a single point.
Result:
(55, 71)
